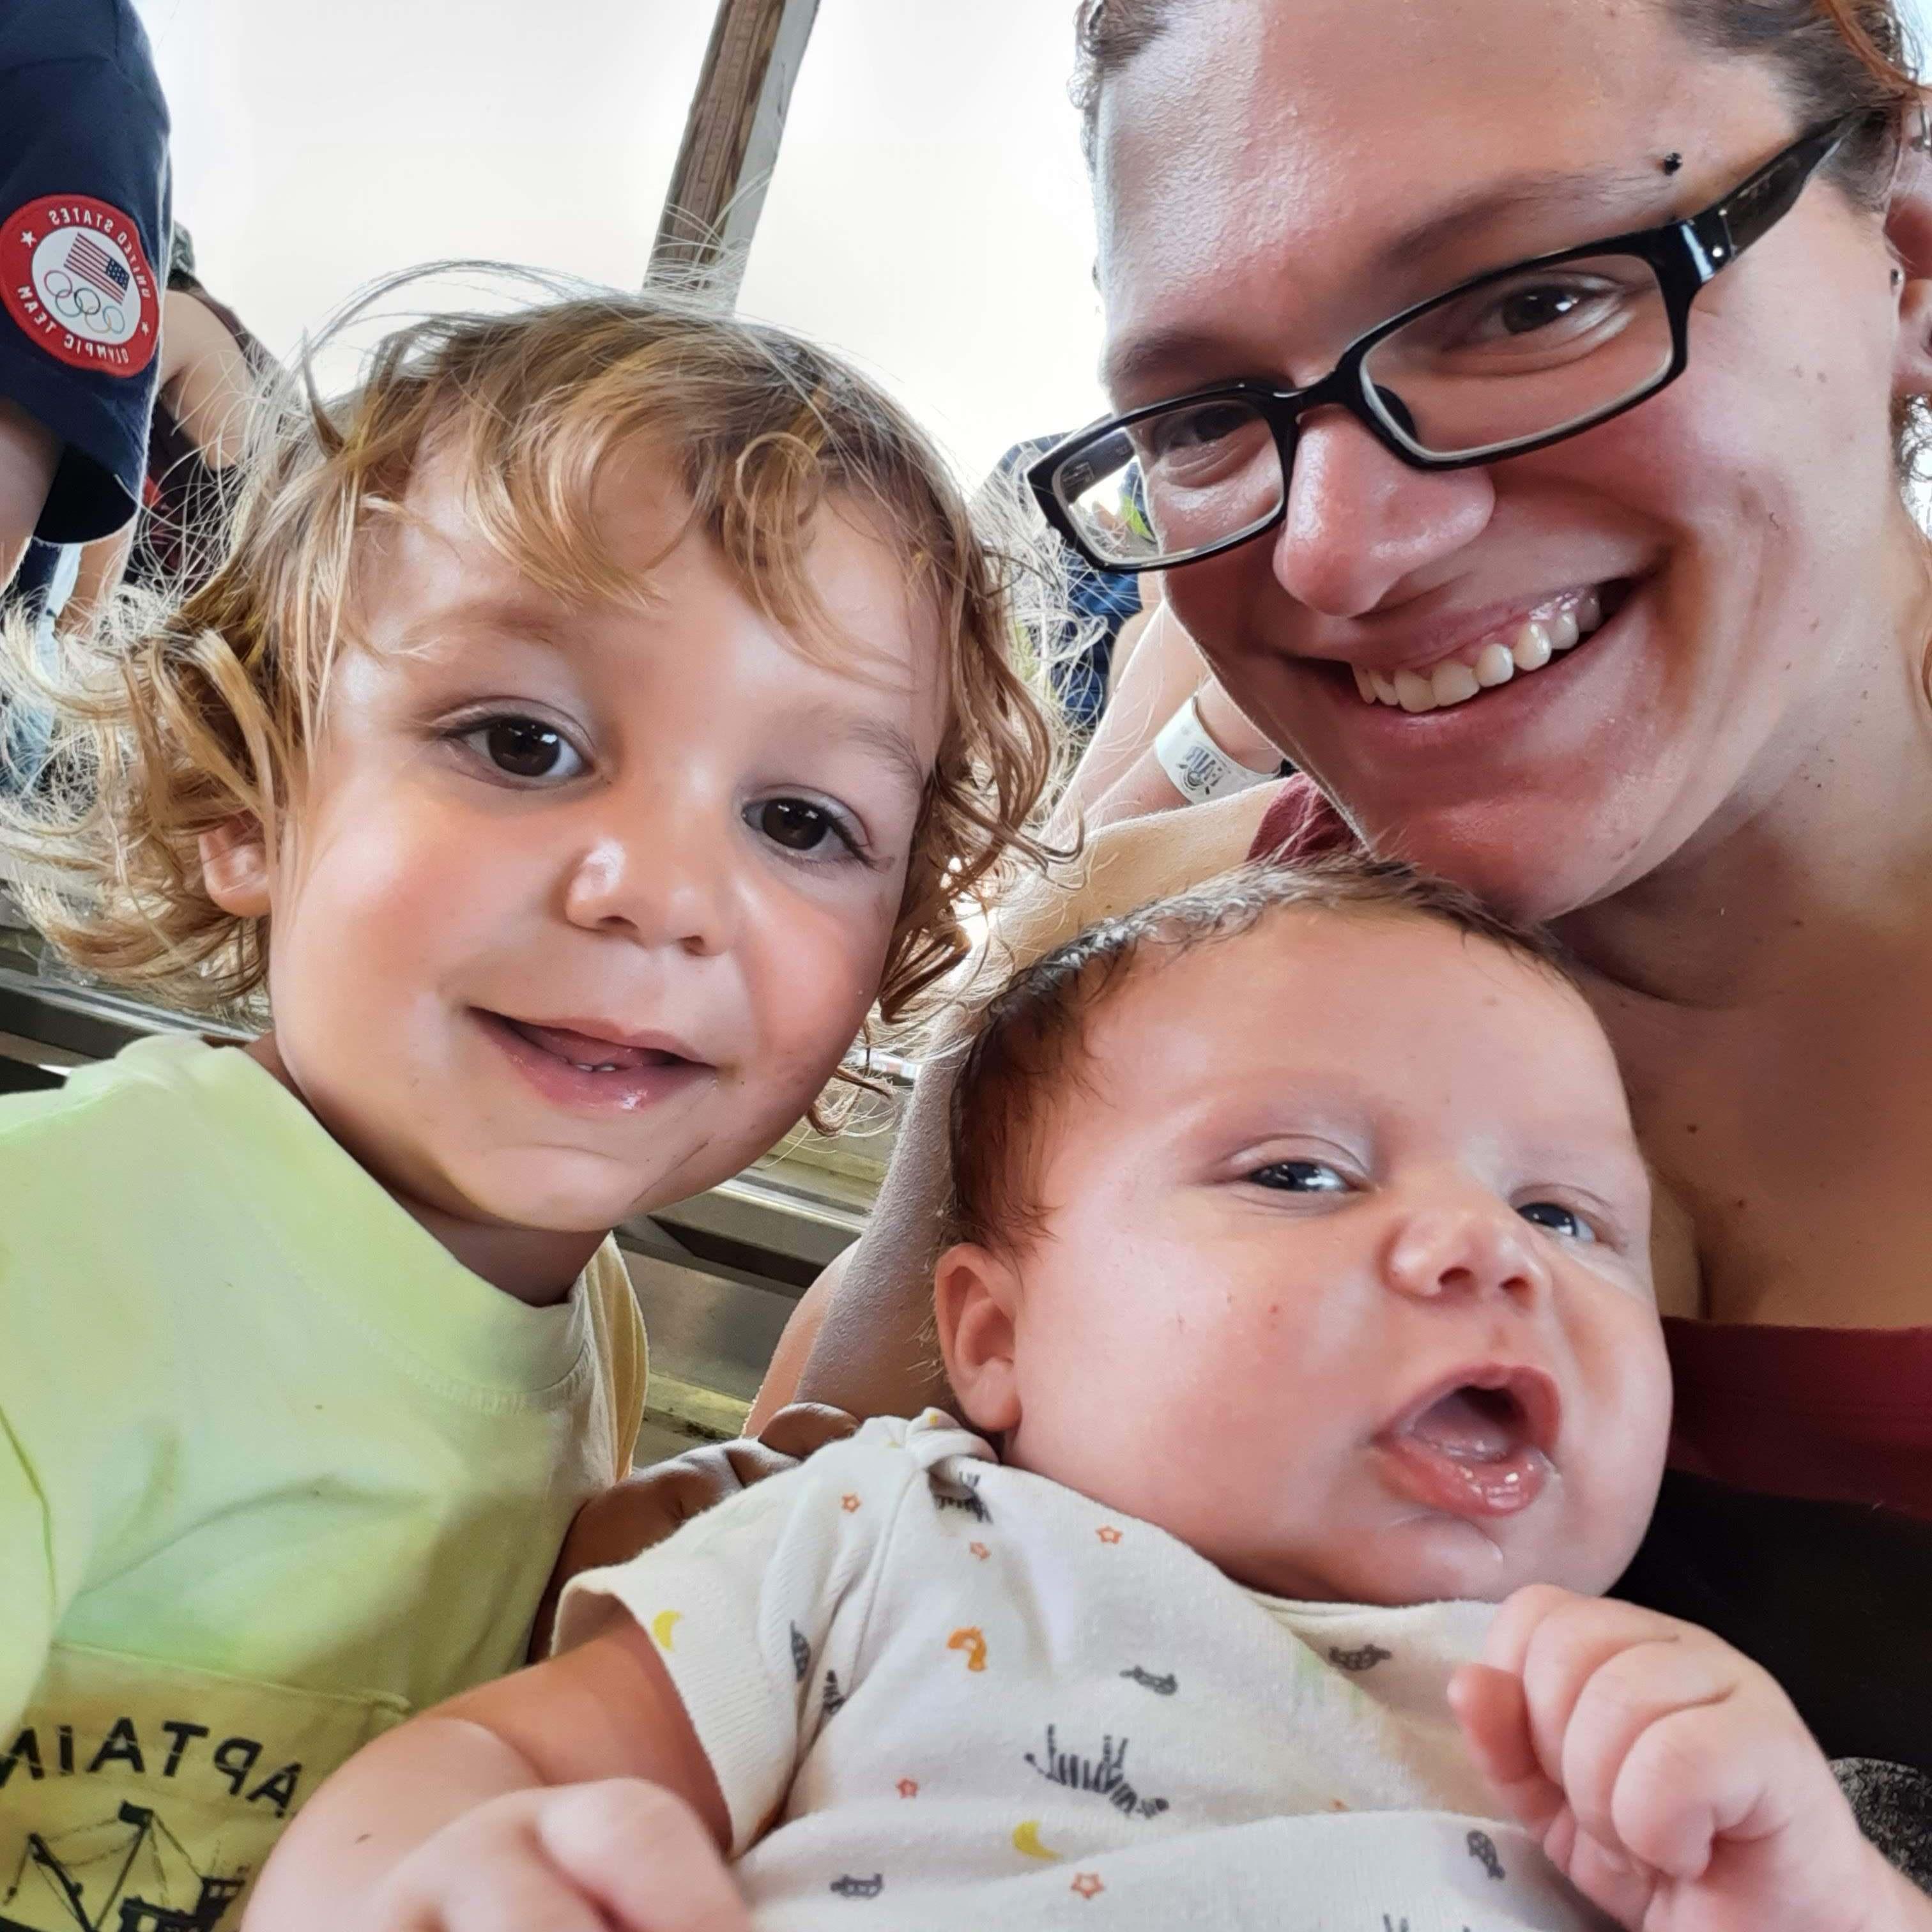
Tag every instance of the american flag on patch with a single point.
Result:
(91, 262)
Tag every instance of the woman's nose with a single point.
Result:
(669, 886)
(1359, 521)
(1472, 1250)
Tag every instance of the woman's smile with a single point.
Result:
(1497, 653)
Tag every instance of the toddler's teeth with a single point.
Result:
(1453, 683)
(1413, 693)
(1494, 666)
(1532, 647)
(1364, 685)
(1564, 631)
(1385, 691)
(1589, 611)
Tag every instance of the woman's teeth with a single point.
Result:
(1478, 667)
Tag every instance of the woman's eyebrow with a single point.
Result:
(1613, 193)
(1610, 196)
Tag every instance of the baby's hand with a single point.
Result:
(1666, 1775)
(620, 1856)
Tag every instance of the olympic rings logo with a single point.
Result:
(82, 304)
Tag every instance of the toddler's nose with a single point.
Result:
(1473, 1249)
(673, 888)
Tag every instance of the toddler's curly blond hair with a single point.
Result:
(167, 724)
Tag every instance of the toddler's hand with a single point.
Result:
(1667, 1776)
(621, 1856)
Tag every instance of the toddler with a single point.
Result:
(600, 711)
(1302, 1276)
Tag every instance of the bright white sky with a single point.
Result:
(929, 215)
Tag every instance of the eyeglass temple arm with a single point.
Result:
(1726, 230)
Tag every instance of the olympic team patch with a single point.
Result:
(74, 276)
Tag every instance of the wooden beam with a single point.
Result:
(730, 143)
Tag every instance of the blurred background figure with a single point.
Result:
(212, 369)
(1101, 606)
(84, 217)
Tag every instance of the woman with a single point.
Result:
(1709, 761)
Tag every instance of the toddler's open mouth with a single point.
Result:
(1476, 1443)
(585, 1064)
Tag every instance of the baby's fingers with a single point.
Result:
(1699, 1775)
(1490, 1706)
(1645, 1713)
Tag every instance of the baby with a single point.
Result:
(1302, 1277)
(600, 712)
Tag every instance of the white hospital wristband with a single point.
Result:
(1198, 767)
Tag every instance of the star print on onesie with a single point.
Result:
(1092, 1718)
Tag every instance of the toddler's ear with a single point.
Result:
(975, 1294)
(235, 867)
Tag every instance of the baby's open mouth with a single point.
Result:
(1477, 1443)
(1520, 649)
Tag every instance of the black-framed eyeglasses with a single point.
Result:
(1510, 361)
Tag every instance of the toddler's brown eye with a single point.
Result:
(525, 748)
(797, 826)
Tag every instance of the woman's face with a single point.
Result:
(1274, 180)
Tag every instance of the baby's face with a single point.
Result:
(582, 903)
(1345, 1280)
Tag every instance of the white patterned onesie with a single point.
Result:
(963, 1696)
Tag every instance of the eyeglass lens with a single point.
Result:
(1515, 360)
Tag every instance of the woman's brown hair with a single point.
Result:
(1834, 57)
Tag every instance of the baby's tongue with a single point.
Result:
(1472, 1425)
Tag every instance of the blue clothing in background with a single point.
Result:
(84, 202)
(1098, 602)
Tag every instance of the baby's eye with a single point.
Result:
(1300, 1176)
(799, 826)
(526, 748)
(1558, 1219)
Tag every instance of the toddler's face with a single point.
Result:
(581, 904)
(1345, 1279)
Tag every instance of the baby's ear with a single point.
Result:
(235, 867)
(976, 1297)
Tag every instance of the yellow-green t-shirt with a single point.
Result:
(275, 1471)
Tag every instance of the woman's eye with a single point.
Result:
(1199, 429)
(800, 827)
(1558, 1219)
(1528, 310)
(526, 748)
(1300, 1176)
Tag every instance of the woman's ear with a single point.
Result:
(235, 867)
(976, 1298)
(1908, 230)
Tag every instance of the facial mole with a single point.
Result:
(1672, 163)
